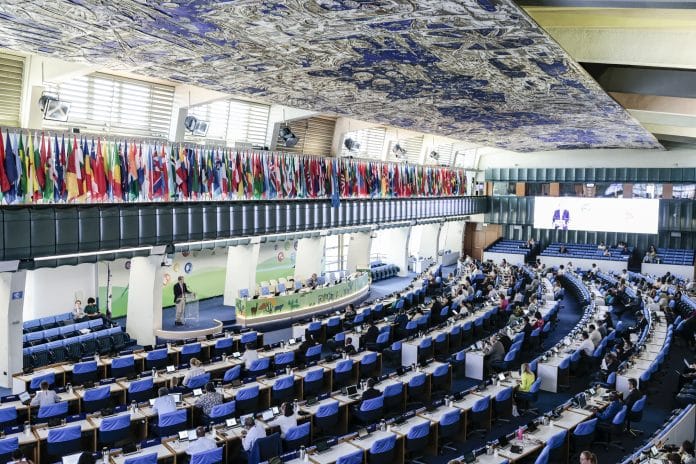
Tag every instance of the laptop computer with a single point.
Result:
(322, 446)
(291, 341)
(362, 433)
(503, 441)
(501, 376)
(177, 397)
(352, 391)
(24, 397)
(170, 369)
(267, 415)
(197, 392)
(71, 458)
(232, 422)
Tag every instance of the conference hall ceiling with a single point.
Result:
(479, 71)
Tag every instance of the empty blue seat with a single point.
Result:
(150, 458)
(114, 429)
(213, 456)
(64, 440)
(95, 399)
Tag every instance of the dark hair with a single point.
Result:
(585, 335)
(289, 410)
(44, 385)
(688, 447)
(91, 300)
(86, 458)
(674, 458)
(17, 454)
(210, 387)
(632, 382)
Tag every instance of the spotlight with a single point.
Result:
(398, 150)
(434, 155)
(351, 144)
(197, 126)
(288, 137)
(53, 108)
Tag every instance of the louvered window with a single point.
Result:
(445, 153)
(412, 146)
(232, 122)
(371, 143)
(118, 105)
(315, 133)
(11, 75)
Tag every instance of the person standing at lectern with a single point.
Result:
(180, 292)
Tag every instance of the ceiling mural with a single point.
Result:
(474, 70)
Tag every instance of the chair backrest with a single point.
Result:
(247, 393)
(284, 358)
(157, 355)
(98, 393)
(557, 439)
(63, 434)
(418, 431)
(639, 405)
(372, 404)
(284, 383)
(169, 419)
(8, 414)
(223, 343)
(425, 343)
(141, 385)
(224, 409)
(314, 375)
(383, 445)
(191, 348)
(620, 416)
(248, 337)
(417, 380)
(298, 432)
(504, 394)
(199, 380)
(344, 365)
(450, 417)
(260, 364)
(211, 456)
(369, 358)
(328, 409)
(113, 423)
(232, 373)
(313, 351)
(122, 362)
(355, 457)
(543, 458)
(8, 445)
(482, 404)
(150, 458)
(53, 410)
(586, 428)
(393, 389)
(85, 367)
(36, 380)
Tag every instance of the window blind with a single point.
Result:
(315, 133)
(412, 146)
(232, 122)
(11, 77)
(371, 143)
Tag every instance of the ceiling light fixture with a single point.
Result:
(53, 108)
(288, 137)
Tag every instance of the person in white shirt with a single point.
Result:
(202, 443)
(164, 403)
(252, 432)
(250, 355)
(595, 335)
(587, 346)
(45, 397)
(286, 420)
(77, 312)
(194, 371)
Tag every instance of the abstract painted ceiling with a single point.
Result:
(474, 70)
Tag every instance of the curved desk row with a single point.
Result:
(302, 303)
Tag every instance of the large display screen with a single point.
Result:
(598, 214)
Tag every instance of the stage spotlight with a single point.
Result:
(351, 144)
(288, 137)
(197, 126)
(434, 155)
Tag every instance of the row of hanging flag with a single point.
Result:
(42, 168)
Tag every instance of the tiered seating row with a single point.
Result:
(675, 256)
(586, 251)
(58, 333)
(380, 270)
(47, 322)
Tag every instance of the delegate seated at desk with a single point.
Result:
(195, 371)
(286, 420)
(370, 392)
(494, 352)
(45, 397)
(209, 399)
(370, 336)
(202, 443)
(252, 432)
(164, 402)
(250, 355)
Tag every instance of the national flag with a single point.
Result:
(22, 168)
(71, 181)
(10, 170)
(100, 177)
(41, 168)
(59, 168)
(49, 169)
(335, 195)
(4, 182)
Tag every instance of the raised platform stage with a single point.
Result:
(200, 328)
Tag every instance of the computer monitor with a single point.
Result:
(267, 415)
(177, 397)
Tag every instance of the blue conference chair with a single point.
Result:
(259, 367)
(416, 391)
(221, 412)
(529, 398)
(368, 365)
(150, 458)
(584, 434)
(333, 326)
(141, 390)
(64, 440)
(96, 399)
(7, 447)
(556, 446)
(158, 359)
(35, 383)
(232, 374)
(355, 457)
(265, 448)
(503, 405)
(370, 410)
(115, 429)
(448, 429)
(283, 360)
(313, 382)
(283, 389)
(171, 423)
(417, 440)
(313, 354)
(326, 416)
(439, 383)
(8, 417)
(296, 437)
(247, 400)
(198, 381)
(313, 329)
(392, 355)
(635, 415)
(123, 366)
(189, 351)
(394, 398)
(213, 456)
(343, 374)
(543, 457)
(479, 417)
(223, 346)
(53, 411)
(84, 372)
(382, 450)
(249, 338)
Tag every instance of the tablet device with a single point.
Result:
(152, 401)
(170, 369)
(183, 435)
(501, 376)
(236, 354)
(71, 458)
(291, 341)
(177, 397)
(362, 433)
(275, 410)
(197, 392)
(24, 397)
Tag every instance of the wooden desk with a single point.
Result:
(366, 443)
(163, 452)
(332, 454)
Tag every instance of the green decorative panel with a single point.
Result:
(664, 174)
(688, 174)
(504, 174)
(88, 225)
(559, 175)
(130, 232)
(531, 175)
(642, 175)
(570, 174)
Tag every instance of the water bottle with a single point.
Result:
(227, 334)
(383, 425)
(96, 357)
(288, 370)
(303, 452)
(154, 372)
(520, 433)
(68, 387)
(105, 454)
(134, 406)
(27, 428)
(295, 405)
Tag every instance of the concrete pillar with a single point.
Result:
(309, 258)
(145, 298)
(12, 286)
(241, 271)
(358, 251)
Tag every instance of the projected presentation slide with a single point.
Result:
(598, 214)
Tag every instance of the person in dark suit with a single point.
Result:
(348, 347)
(633, 393)
(370, 392)
(180, 292)
(435, 311)
(371, 335)
(527, 329)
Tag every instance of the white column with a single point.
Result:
(392, 246)
(145, 298)
(309, 258)
(241, 271)
(358, 251)
(11, 319)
